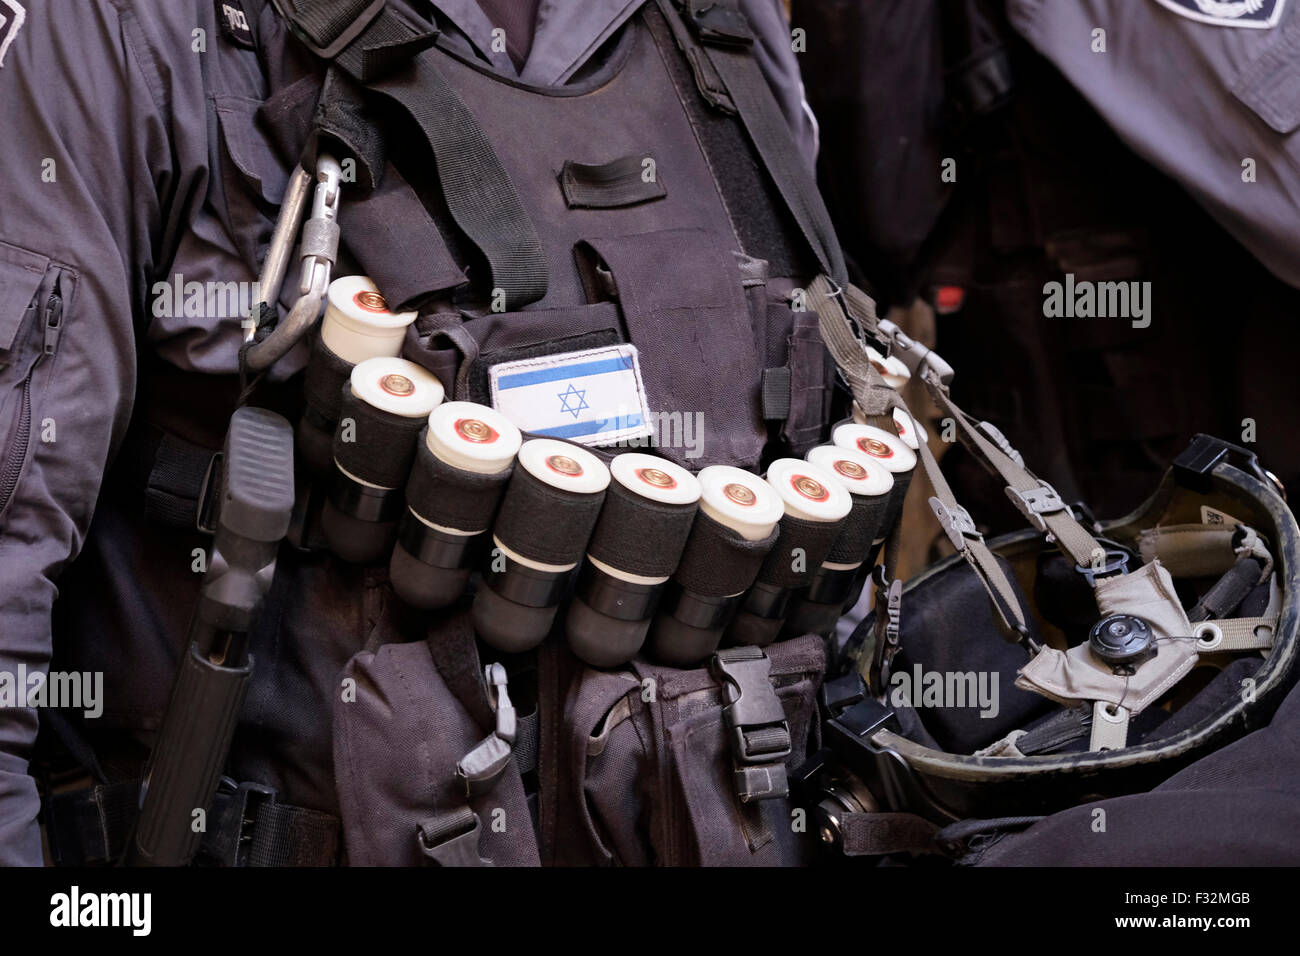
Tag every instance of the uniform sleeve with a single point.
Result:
(89, 166)
(774, 49)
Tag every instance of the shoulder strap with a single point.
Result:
(381, 52)
(725, 40)
(724, 36)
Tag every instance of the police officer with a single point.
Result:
(141, 179)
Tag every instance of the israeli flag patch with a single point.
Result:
(1261, 14)
(593, 396)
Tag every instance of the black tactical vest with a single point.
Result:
(660, 227)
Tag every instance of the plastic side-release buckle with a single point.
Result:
(956, 523)
(1034, 503)
(480, 768)
(718, 22)
(452, 839)
(760, 732)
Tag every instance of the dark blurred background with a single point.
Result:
(1043, 188)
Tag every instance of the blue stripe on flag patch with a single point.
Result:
(601, 367)
(592, 428)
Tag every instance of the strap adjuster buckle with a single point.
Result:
(1034, 503)
(719, 23)
(995, 435)
(233, 827)
(452, 839)
(957, 524)
(760, 732)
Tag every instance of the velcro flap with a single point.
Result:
(626, 181)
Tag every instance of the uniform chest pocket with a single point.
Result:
(33, 291)
(680, 295)
(253, 179)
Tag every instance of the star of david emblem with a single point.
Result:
(574, 400)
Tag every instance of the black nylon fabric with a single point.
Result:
(686, 372)
(451, 496)
(948, 628)
(784, 565)
(545, 523)
(425, 701)
(1240, 805)
(342, 114)
(759, 215)
(640, 536)
(325, 20)
(324, 380)
(770, 135)
(859, 531)
(479, 194)
(717, 561)
(384, 445)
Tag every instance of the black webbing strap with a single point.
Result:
(246, 826)
(167, 476)
(393, 59)
(329, 25)
(527, 745)
(91, 827)
(879, 834)
(723, 34)
(1056, 731)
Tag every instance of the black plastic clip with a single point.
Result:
(1193, 466)
(233, 825)
(452, 839)
(1115, 561)
(719, 23)
(760, 732)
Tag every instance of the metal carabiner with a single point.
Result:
(318, 252)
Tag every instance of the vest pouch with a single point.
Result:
(407, 713)
(645, 768)
(683, 304)
(546, 335)
(801, 397)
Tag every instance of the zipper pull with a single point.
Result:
(53, 320)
